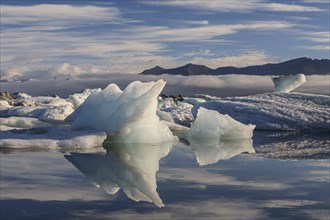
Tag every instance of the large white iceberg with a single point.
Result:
(213, 150)
(276, 111)
(130, 167)
(288, 83)
(211, 124)
(126, 116)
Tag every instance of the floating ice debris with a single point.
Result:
(211, 124)
(288, 83)
(41, 107)
(126, 116)
(130, 167)
(276, 111)
(211, 151)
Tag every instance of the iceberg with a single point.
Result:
(130, 167)
(288, 83)
(276, 111)
(213, 150)
(211, 124)
(126, 116)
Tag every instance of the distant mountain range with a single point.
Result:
(303, 65)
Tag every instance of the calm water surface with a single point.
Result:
(287, 178)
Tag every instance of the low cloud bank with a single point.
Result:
(222, 86)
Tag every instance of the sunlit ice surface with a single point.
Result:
(279, 176)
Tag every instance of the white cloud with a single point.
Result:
(241, 60)
(119, 47)
(318, 37)
(167, 34)
(236, 5)
(201, 22)
(288, 7)
(52, 13)
(49, 34)
(202, 53)
(317, 1)
(315, 47)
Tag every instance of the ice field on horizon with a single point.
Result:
(139, 115)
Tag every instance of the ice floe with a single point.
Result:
(20, 123)
(40, 107)
(276, 111)
(51, 138)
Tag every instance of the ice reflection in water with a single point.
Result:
(133, 167)
(212, 150)
(39, 185)
(130, 167)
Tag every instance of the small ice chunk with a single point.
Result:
(4, 105)
(211, 124)
(288, 83)
(126, 116)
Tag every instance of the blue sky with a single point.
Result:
(42, 38)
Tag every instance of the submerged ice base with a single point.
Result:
(126, 116)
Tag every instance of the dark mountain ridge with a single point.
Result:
(303, 65)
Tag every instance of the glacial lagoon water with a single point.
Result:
(279, 175)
